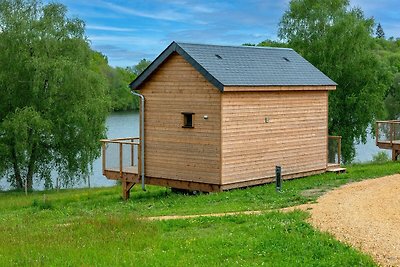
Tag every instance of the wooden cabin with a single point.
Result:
(222, 117)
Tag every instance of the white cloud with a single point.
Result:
(169, 15)
(109, 28)
(117, 39)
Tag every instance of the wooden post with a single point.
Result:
(391, 133)
(327, 150)
(132, 154)
(126, 188)
(120, 159)
(103, 164)
(139, 160)
(376, 132)
(339, 148)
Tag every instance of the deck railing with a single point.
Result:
(387, 132)
(121, 155)
(334, 150)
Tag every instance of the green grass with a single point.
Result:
(273, 239)
(94, 227)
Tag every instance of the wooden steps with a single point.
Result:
(336, 169)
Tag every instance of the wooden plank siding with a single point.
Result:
(295, 136)
(173, 152)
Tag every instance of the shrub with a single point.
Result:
(380, 157)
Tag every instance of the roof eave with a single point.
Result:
(134, 85)
(306, 87)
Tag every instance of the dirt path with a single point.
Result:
(365, 215)
(175, 217)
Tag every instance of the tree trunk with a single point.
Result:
(17, 174)
(31, 164)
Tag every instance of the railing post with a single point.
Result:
(139, 160)
(103, 163)
(391, 133)
(132, 154)
(339, 148)
(120, 160)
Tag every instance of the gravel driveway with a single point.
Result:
(365, 215)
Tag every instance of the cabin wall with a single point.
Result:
(173, 152)
(295, 136)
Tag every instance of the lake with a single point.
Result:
(126, 124)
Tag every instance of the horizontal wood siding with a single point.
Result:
(295, 136)
(173, 152)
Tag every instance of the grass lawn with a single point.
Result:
(95, 227)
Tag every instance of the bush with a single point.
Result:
(43, 205)
(380, 157)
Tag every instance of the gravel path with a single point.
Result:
(365, 215)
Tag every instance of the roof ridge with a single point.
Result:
(235, 46)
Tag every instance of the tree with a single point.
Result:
(117, 83)
(388, 52)
(392, 100)
(53, 102)
(270, 43)
(140, 67)
(337, 40)
(379, 32)
(121, 96)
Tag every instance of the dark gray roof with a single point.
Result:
(243, 66)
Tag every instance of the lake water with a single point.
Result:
(119, 124)
(126, 124)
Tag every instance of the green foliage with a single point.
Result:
(388, 52)
(53, 102)
(270, 43)
(117, 80)
(392, 101)
(337, 40)
(93, 227)
(42, 205)
(140, 67)
(121, 94)
(380, 157)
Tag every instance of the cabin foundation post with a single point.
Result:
(395, 154)
(126, 188)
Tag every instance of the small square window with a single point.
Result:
(187, 119)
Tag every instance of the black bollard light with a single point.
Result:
(278, 173)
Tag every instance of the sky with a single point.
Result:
(128, 31)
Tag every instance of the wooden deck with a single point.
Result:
(124, 164)
(395, 144)
(130, 177)
(387, 135)
(114, 173)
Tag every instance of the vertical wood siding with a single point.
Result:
(295, 136)
(174, 152)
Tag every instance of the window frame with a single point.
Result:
(186, 116)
